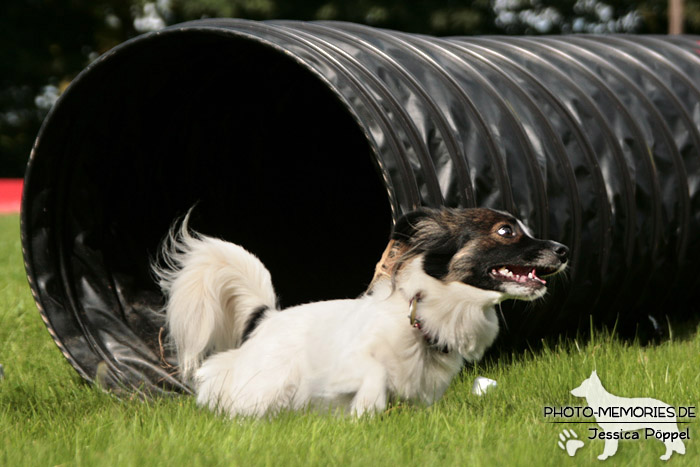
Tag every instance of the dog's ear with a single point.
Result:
(407, 225)
(426, 232)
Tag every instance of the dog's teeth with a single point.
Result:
(503, 271)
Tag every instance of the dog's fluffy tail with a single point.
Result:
(214, 290)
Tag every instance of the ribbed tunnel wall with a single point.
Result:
(302, 141)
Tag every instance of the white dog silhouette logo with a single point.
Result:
(619, 415)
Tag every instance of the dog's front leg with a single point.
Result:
(609, 449)
(371, 396)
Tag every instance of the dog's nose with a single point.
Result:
(561, 251)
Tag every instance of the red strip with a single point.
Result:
(10, 195)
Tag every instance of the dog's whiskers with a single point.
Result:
(505, 323)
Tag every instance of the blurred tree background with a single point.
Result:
(44, 44)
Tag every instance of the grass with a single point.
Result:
(48, 416)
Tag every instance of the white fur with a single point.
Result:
(212, 287)
(352, 355)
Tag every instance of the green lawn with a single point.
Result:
(48, 416)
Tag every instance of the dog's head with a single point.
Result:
(487, 249)
(588, 386)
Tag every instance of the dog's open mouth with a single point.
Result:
(527, 275)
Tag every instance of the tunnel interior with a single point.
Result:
(277, 165)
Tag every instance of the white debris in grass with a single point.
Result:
(482, 384)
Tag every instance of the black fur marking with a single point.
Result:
(436, 261)
(255, 318)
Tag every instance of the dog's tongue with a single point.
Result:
(539, 279)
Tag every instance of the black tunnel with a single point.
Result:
(303, 141)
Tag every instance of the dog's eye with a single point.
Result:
(506, 231)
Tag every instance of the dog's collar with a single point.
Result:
(412, 306)
(431, 341)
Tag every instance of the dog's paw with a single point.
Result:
(569, 442)
(364, 409)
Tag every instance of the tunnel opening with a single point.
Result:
(269, 156)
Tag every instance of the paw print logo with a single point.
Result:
(569, 442)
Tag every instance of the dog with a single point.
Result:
(605, 405)
(430, 305)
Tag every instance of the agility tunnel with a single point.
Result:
(303, 141)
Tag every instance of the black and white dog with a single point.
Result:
(430, 305)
